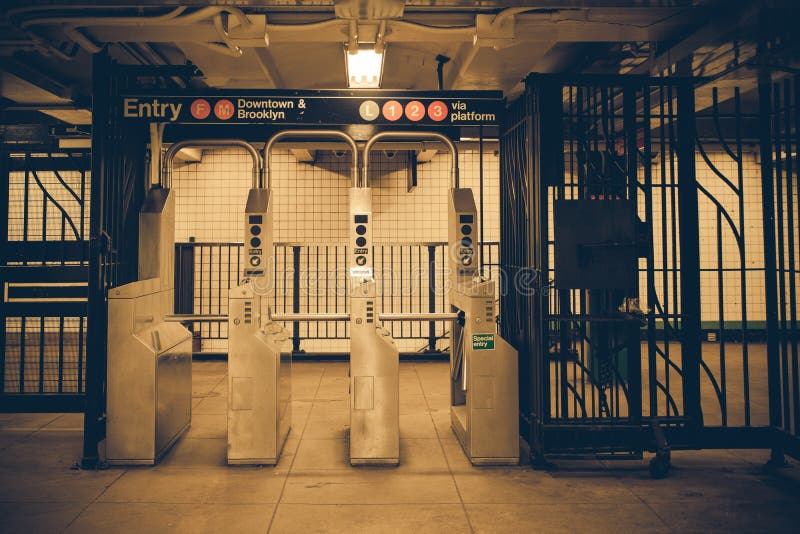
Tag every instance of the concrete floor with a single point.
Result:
(314, 489)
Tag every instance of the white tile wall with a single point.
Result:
(311, 199)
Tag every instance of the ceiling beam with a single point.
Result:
(732, 14)
(269, 68)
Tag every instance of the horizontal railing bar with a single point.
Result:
(417, 316)
(194, 318)
(328, 244)
(310, 317)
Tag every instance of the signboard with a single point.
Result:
(482, 341)
(446, 108)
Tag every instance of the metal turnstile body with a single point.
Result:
(149, 369)
(259, 381)
(259, 361)
(149, 375)
(374, 384)
(484, 389)
(374, 357)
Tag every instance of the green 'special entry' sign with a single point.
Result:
(442, 108)
(482, 341)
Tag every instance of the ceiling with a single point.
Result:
(45, 54)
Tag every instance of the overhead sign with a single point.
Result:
(463, 108)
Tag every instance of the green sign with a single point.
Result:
(482, 341)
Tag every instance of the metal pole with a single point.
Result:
(432, 296)
(166, 171)
(413, 135)
(770, 267)
(689, 239)
(97, 316)
(310, 317)
(309, 133)
(417, 316)
(295, 296)
(194, 318)
(480, 195)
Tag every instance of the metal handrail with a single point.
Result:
(194, 318)
(316, 317)
(417, 316)
(308, 133)
(165, 179)
(412, 135)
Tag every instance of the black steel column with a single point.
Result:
(632, 331)
(689, 242)
(5, 183)
(546, 166)
(770, 267)
(97, 317)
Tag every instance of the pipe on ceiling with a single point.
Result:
(73, 26)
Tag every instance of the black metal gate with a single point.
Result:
(780, 102)
(43, 274)
(624, 371)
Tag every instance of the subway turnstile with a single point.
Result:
(259, 360)
(484, 390)
(374, 357)
(149, 369)
(259, 381)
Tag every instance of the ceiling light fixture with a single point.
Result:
(364, 68)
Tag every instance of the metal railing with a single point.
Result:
(311, 278)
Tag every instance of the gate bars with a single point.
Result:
(43, 260)
(655, 382)
(780, 162)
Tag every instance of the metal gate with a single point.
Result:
(780, 102)
(310, 278)
(43, 274)
(621, 372)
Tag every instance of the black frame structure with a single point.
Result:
(623, 372)
(119, 181)
(779, 100)
(43, 267)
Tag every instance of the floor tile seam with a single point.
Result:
(181, 503)
(96, 499)
(211, 468)
(198, 502)
(449, 468)
(653, 510)
(37, 428)
(294, 457)
(393, 503)
(375, 504)
(562, 501)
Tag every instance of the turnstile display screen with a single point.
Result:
(256, 219)
(361, 219)
(465, 218)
